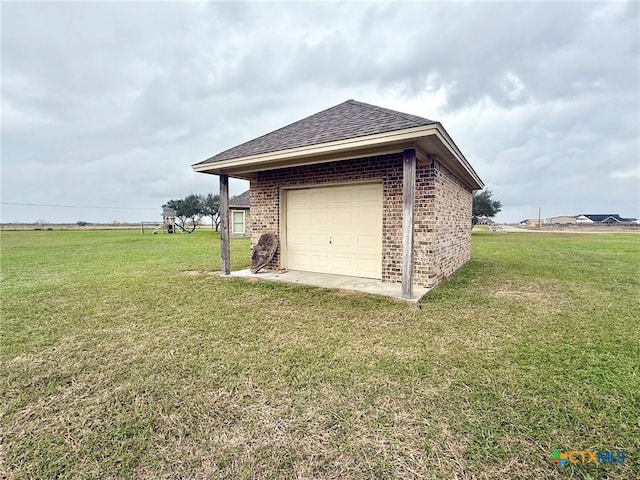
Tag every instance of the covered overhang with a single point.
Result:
(428, 141)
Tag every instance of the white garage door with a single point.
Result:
(335, 230)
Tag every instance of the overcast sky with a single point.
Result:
(109, 104)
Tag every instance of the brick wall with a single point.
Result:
(453, 205)
(430, 237)
(425, 267)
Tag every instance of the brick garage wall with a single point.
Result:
(453, 205)
(425, 266)
(443, 208)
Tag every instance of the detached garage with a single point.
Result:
(357, 190)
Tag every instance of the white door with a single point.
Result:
(335, 230)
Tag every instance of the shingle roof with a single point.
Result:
(241, 200)
(347, 120)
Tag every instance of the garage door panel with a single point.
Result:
(370, 265)
(342, 241)
(342, 218)
(369, 194)
(335, 229)
(319, 218)
(319, 196)
(310, 262)
(342, 261)
(295, 257)
(368, 219)
(300, 219)
(297, 240)
(321, 261)
(319, 240)
(368, 242)
(343, 196)
(296, 199)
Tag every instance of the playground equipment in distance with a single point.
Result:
(168, 224)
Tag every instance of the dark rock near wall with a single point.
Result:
(263, 252)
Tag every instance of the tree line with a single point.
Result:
(193, 208)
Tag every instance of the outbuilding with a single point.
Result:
(356, 190)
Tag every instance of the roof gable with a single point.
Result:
(241, 200)
(350, 119)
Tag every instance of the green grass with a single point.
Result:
(115, 363)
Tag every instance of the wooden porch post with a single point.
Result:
(408, 202)
(224, 225)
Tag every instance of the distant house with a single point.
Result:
(562, 220)
(485, 221)
(531, 222)
(239, 215)
(603, 219)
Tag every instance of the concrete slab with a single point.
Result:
(340, 282)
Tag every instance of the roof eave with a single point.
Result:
(461, 158)
(313, 150)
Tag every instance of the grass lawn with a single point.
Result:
(114, 363)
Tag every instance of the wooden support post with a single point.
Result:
(224, 225)
(408, 202)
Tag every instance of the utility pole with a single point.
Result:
(539, 218)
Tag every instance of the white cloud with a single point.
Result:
(630, 173)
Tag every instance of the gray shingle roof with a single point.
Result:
(241, 200)
(599, 217)
(347, 120)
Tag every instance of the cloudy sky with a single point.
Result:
(109, 104)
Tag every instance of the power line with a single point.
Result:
(75, 206)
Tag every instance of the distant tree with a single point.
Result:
(194, 208)
(484, 206)
(211, 209)
(82, 224)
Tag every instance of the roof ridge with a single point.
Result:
(407, 116)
